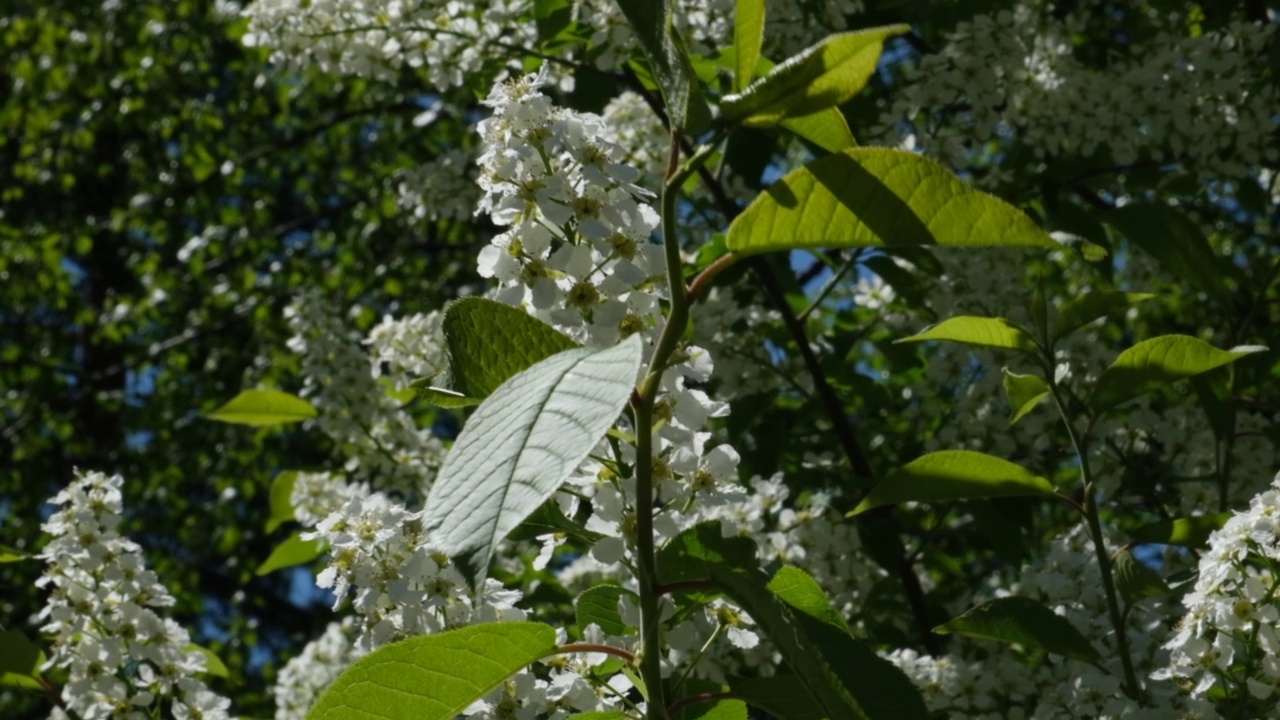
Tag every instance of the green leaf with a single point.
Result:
(843, 675)
(799, 590)
(549, 518)
(784, 697)
(652, 22)
(827, 129)
(871, 197)
(983, 331)
(1189, 532)
(441, 397)
(213, 664)
(1136, 581)
(1175, 242)
(1156, 362)
(822, 76)
(263, 407)
(601, 715)
(434, 677)
(748, 36)
(521, 444)
(717, 710)
(293, 551)
(281, 499)
(1084, 309)
(489, 342)
(954, 475)
(20, 661)
(1025, 393)
(1025, 622)
(11, 554)
(599, 605)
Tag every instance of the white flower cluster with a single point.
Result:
(311, 671)
(442, 189)
(1230, 636)
(316, 495)
(566, 692)
(123, 660)
(1169, 98)
(578, 249)
(408, 348)
(707, 26)
(448, 40)
(403, 587)
(983, 680)
(383, 445)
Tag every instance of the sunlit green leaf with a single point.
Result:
(954, 475)
(213, 664)
(434, 677)
(1158, 362)
(1025, 393)
(828, 129)
(819, 77)
(871, 197)
(263, 407)
(983, 331)
(281, 499)
(799, 590)
(12, 554)
(293, 551)
(748, 35)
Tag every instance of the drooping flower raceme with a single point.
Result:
(382, 445)
(122, 658)
(1230, 636)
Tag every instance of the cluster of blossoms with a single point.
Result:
(383, 445)
(1228, 639)
(442, 189)
(450, 40)
(123, 660)
(311, 671)
(445, 39)
(1171, 98)
(980, 680)
(402, 586)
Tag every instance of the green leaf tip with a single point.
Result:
(983, 331)
(263, 407)
(818, 78)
